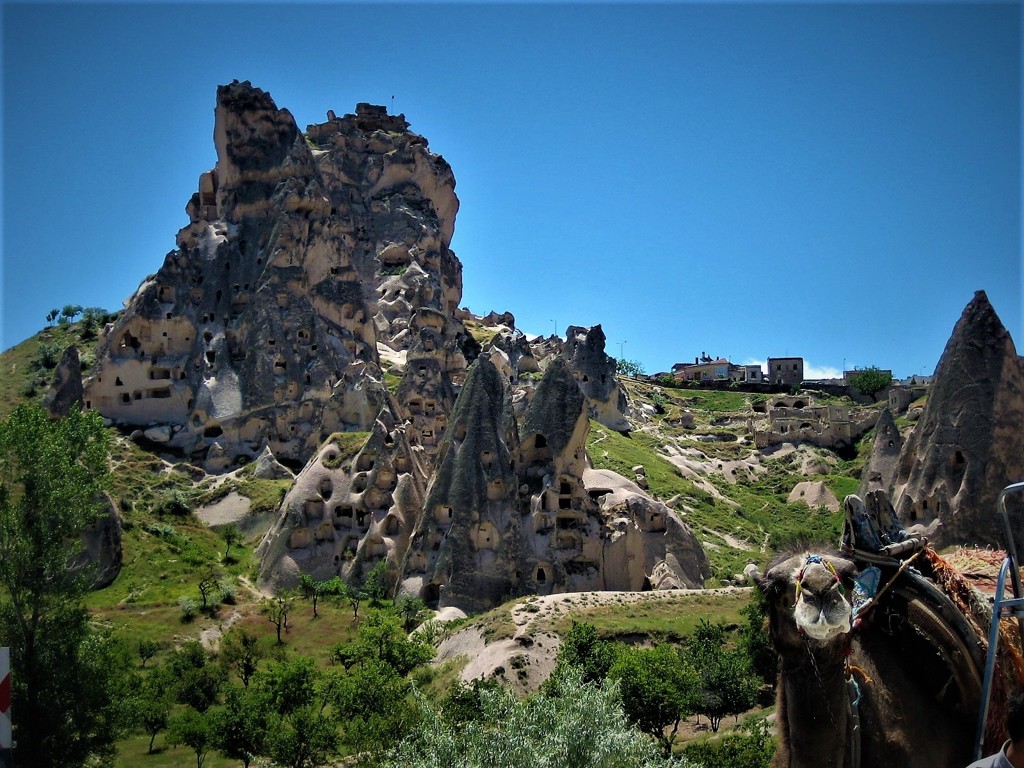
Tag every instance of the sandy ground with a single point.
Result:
(525, 660)
(231, 509)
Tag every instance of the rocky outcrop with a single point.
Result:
(101, 556)
(647, 544)
(815, 494)
(354, 505)
(969, 442)
(880, 471)
(468, 549)
(301, 253)
(595, 372)
(66, 390)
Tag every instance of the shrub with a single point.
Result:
(189, 608)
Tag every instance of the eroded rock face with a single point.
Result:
(595, 372)
(66, 390)
(467, 550)
(101, 556)
(969, 442)
(880, 471)
(262, 328)
(354, 505)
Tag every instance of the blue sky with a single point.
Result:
(746, 180)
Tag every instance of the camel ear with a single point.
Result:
(775, 582)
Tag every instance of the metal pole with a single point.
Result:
(1011, 549)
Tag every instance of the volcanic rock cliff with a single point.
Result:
(310, 315)
(302, 253)
(969, 442)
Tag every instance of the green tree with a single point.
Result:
(92, 318)
(355, 595)
(755, 640)
(192, 677)
(314, 589)
(583, 648)
(69, 313)
(240, 728)
(410, 608)
(153, 711)
(51, 316)
(657, 688)
(629, 367)
(276, 610)
(241, 651)
(290, 684)
(375, 585)
(68, 699)
(47, 356)
(727, 684)
(147, 649)
(870, 381)
(371, 702)
(465, 701)
(232, 536)
(751, 746)
(192, 729)
(382, 638)
(307, 738)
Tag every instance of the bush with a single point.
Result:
(175, 503)
(189, 608)
(751, 747)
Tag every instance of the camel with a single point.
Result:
(913, 662)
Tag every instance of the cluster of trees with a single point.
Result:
(250, 702)
(91, 318)
(662, 686)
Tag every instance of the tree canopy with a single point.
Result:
(869, 381)
(68, 681)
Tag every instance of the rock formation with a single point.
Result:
(467, 550)
(309, 321)
(880, 471)
(65, 392)
(595, 372)
(969, 442)
(302, 252)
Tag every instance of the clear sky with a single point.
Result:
(746, 180)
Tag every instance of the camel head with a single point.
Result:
(809, 596)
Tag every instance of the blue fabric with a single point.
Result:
(865, 587)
